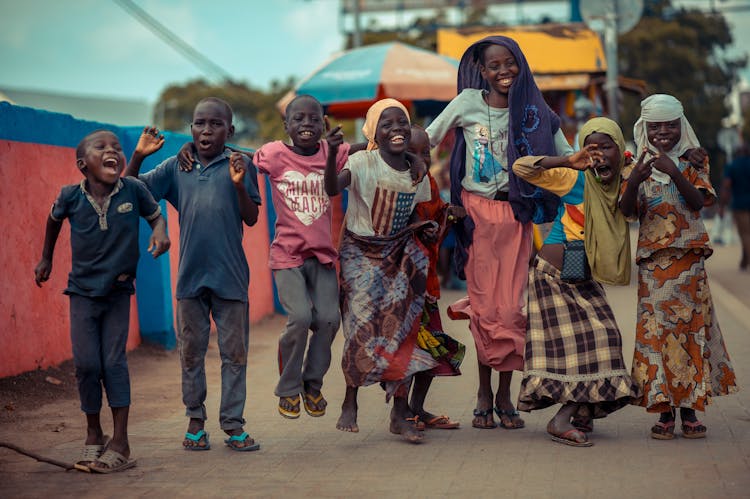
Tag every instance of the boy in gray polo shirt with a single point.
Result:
(104, 212)
(213, 200)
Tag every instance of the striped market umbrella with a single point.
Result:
(351, 81)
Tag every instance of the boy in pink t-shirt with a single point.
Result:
(302, 254)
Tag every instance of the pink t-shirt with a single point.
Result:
(303, 209)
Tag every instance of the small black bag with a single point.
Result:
(575, 267)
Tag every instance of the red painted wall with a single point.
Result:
(34, 326)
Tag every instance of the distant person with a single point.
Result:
(445, 350)
(104, 212)
(573, 345)
(302, 255)
(736, 188)
(213, 200)
(383, 266)
(680, 359)
(498, 116)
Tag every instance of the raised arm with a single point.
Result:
(335, 182)
(44, 267)
(694, 198)
(149, 142)
(641, 171)
(237, 172)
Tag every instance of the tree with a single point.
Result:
(256, 118)
(680, 52)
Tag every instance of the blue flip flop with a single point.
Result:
(241, 438)
(196, 437)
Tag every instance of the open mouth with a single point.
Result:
(397, 139)
(111, 164)
(506, 82)
(205, 144)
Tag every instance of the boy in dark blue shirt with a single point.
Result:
(103, 211)
(213, 200)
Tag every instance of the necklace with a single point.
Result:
(486, 97)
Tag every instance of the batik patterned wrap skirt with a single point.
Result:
(680, 359)
(573, 346)
(383, 284)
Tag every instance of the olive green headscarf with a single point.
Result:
(606, 233)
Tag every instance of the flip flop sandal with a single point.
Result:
(568, 438)
(663, 431)
(442, 423)
(693, 429)
(232, 443)
(510, 415)
(292, 413)
(584, 425)
(114, 461)
(419, 425)
(311, 405)
(483, 414)
(197, 437)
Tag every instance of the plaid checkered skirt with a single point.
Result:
(573, 346)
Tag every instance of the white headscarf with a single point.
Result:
(659, 108)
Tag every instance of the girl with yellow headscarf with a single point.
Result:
(573, 345)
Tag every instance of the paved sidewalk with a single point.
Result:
(310, 457)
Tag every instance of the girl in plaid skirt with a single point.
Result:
(573, 345)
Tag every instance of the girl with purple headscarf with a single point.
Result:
(498, 116)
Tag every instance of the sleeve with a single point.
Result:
(449, 119)
(251, 184)
(61, 206)
(148, 208)
(357, 166)
(558, 181)
(262, 160)
(701, 179)
(423, 191)
(342, 156)
(562, 146)
(160, 180)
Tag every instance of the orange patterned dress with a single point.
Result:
(680, 359)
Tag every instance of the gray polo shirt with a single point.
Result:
(104, 239)
(211, 253)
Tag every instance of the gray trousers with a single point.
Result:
(232, 326)
(310, 296)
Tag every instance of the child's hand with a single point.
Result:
(641, 170)
(429, 234)
(697, 157)
(417, 167)
(586, 158)
(149, 142)
(186, 156)
(237, 167)
(158, 243)
(42, 271)
(455, 213)
(334, 137)
(664, 164)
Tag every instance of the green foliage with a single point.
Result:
(256, 118)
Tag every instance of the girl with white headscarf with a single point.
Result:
(680, 359)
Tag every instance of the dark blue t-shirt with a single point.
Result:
(104, 240)
(739, 171)
(211, 253)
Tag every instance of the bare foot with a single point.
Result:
(348, 419)
(407, 429)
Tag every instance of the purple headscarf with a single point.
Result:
(532, 127)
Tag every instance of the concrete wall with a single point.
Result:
(37, 157)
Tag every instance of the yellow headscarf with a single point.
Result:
(607, 238)
(373, 116)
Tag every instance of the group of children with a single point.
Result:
(510, 167)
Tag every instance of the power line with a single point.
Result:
(206, 65)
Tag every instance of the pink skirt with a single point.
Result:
(497, 273)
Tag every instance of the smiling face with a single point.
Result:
(211, 127)
(100, 158)
(419, 144)
(393, 131)
(499, 68)
(304, 123)
(609, 167)
(664, 135)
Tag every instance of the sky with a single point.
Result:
(94, 47)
